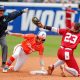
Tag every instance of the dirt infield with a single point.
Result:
(32, 63)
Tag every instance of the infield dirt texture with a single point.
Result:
(32, 63)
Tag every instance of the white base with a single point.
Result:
(39, 72)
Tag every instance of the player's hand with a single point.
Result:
(8, 32)
(36, 21)
(25, 10)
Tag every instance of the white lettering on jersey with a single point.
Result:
(67, 56)
(70, 38)
(29, 45)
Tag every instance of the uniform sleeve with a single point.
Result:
(41, 50)
(62, 31)
(13, 15)
(73, 11)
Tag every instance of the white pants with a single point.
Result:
(68, 69)
(20, 57)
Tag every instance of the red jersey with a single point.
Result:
(69, 39)
(30, 45)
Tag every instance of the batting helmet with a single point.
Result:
(42, 35)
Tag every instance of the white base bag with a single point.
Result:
(39, 72)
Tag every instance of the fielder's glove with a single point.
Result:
(37, 22)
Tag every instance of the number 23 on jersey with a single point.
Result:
(71, 38)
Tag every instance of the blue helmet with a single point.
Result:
(2, 8)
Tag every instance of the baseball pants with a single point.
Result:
(20, 57)
(4, 48)
(66, 55)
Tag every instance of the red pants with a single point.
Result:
(69, 59)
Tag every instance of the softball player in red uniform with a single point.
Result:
(68, 22)
(70, 40)
(30, 44)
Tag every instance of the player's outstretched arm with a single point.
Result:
(15, 14)
(14, 34)
(37, 22)
(42, 64)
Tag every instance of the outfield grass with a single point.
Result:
(51, 45)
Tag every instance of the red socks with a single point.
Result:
(10, 61)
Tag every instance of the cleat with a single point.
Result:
(11, 68)
(63, 75)
(63, 71)
(50, 70)
(5, 69)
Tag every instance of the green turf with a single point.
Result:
(51, 45)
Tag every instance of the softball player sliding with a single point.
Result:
(30, 44)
